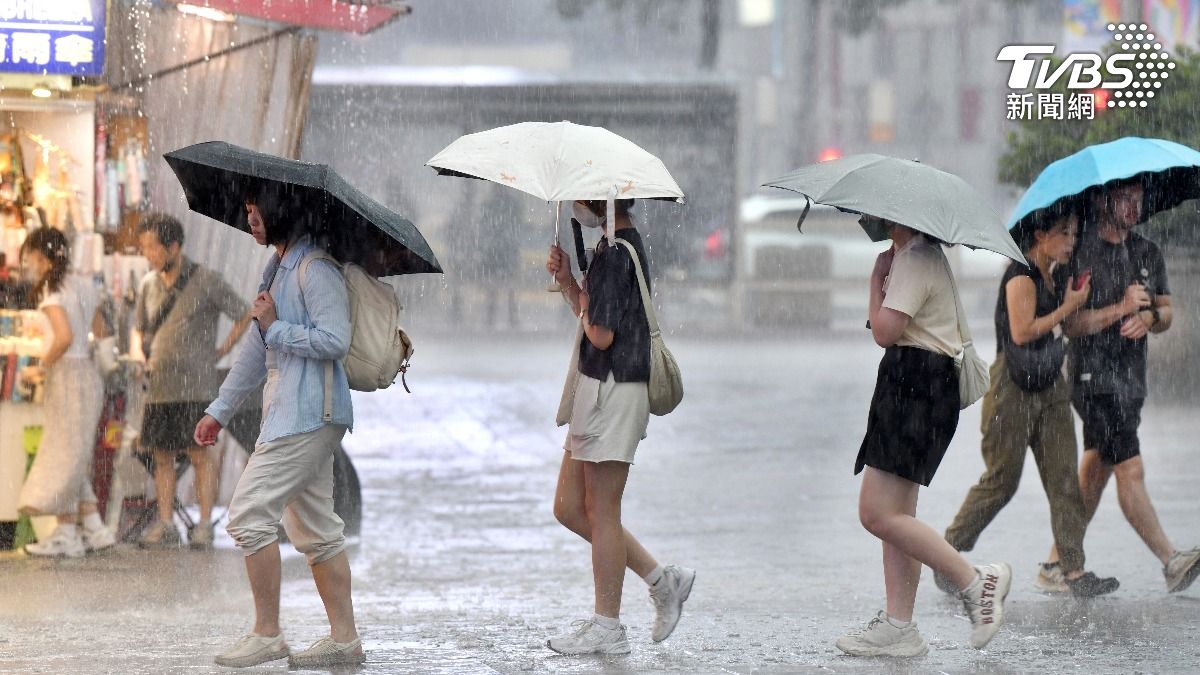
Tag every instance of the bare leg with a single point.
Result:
(164, 484)
(604, 485)
(570, 510)
(887, 507)
(1135, 504)
(263, 570)
(1093, 477)
(205, 482)
(333, 584)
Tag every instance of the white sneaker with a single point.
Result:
(252, 650)
(881, 638)
(58, 545)
(1181, 569)
(1050, 579)
(668, 596)
(98, 539)
(984, 602)
(590, 638)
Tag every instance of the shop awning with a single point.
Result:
(362, 16)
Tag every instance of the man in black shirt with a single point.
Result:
(1129, 299)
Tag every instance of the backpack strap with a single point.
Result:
(637, 266)
(318, 254)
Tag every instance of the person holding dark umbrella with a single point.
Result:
(289, 476)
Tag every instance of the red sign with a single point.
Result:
(325, 14)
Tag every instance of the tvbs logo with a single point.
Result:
(1127, 78)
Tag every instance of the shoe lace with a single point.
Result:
(581, 626)
(869, 627)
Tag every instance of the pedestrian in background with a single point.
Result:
(179, 307)
(60, 480)
(913, 416)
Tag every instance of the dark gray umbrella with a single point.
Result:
(216, 176)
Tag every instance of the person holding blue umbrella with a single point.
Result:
(1121, 184)
(1130, 299)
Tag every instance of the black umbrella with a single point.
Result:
(216, 176)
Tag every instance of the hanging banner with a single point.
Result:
(1085, 24)
(1177, 22)
(52, 37)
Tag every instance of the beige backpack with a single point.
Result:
(379, 348)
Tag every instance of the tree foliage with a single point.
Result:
(1173, 115)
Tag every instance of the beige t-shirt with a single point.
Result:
(919, 285)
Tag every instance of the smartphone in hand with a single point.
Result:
(1084, 277)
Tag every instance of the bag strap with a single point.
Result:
(318, 254)
(637, 267)
(173, 293)
(964, 331)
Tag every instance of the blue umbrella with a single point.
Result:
(1169, 171)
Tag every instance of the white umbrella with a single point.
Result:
(560, 161)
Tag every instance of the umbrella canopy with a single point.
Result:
(910, 193)
(1169, 171)
(216, 175)
(559, 161)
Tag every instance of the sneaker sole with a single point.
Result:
(904, 653)
(339, 659)
(685, 592)
(1050, 588)
(252, 660)
(1188, 577)
(55, 556)
(616, 649)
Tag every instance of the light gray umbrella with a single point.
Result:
(937, 203)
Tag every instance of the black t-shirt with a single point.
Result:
(615, 303)
(1105, 362)
(1049, 297)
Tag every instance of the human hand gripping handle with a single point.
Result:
(206, 431)
(558, 264)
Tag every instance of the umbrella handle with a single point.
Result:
(554, 286)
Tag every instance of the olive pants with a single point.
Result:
(1015, 419)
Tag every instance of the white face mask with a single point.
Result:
(585, 216)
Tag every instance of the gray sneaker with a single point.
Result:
(201, 537)
(1181, 569)
(326, 652)
(984, 602)
(160, 535)
(252, 650)
(668, 596)
(881, 638)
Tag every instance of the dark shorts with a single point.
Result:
(914, 414)
(169, 427)
(1110, 425)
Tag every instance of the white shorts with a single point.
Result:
(608, 420)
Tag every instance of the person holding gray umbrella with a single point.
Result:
(916, 316)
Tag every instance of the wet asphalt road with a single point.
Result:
(461, 567)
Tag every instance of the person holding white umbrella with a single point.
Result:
(608, 419)
(606, 397)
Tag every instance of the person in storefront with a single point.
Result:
(289, 476)
(179, 307)
(59, 483)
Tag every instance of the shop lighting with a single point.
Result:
(206, 12)
(41, 90)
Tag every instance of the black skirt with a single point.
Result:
(914, 414)
(169, 427)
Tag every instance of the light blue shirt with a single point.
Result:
(312, 328)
